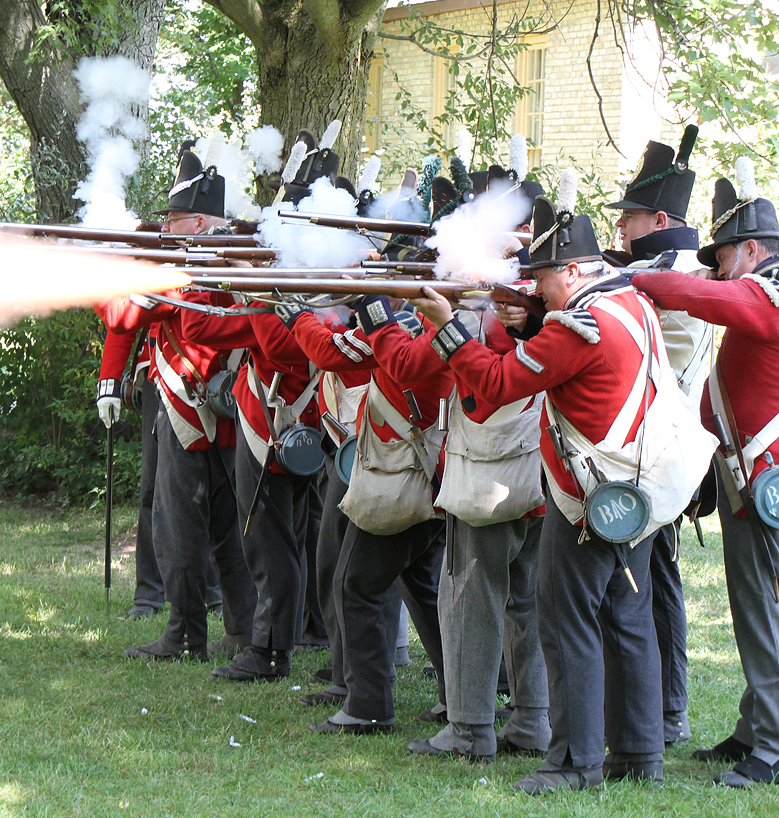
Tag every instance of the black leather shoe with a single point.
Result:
(619, 766)
(326, 697)
(324, 675)
(731, 749)
(555, 779)
(435, 715)
(749, 772)
(352, 729)
(506, 747)
(422, 746)
(250, 666)
(166, 650)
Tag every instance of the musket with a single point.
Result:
(207, 256)
(138, 238)
(296, 284)
(413, 267)
(728, 437)
(361, 224)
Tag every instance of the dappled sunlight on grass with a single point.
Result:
(73, 728)
(13, 794)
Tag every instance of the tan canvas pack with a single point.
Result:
(390, 487)
(492, 471)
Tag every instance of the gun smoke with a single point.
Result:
(472, 240)
(305, 245)
(114, 91)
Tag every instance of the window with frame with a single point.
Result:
(373, 101)
(531, 71)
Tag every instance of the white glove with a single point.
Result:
(109, 404)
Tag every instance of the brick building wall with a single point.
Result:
(572, 127)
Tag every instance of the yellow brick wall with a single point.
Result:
(572, 123)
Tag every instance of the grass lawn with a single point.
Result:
(85, 732)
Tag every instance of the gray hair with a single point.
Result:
(587, 269)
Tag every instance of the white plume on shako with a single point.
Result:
(236, 165)
(745, 178)
(114, 90)
(306, 245)
(471, 240)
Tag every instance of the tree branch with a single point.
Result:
(610, 138)
(246, 14)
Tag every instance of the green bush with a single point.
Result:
(52, 439)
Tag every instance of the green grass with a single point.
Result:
(74, 740)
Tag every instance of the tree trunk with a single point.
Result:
(311, 71)
(46, 94)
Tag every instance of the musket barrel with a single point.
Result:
(217, 256)
(400, 266)
(330, 286)
(361, 223)
(139, 238)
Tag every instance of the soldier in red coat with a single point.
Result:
(597, 635)
(193, 514)
(744, 254)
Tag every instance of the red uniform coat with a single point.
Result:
(272, 349)
(588, 381)
(749, 351)
(128, 315)
(325, 346)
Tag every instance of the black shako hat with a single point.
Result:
(497, 177)
(195, 190)
(734, 220)
(316, 163)
(559, 237)
(662, 182)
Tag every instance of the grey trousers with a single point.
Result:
(194, 517)
(599, 644)
(756, 626)
(274, 547)
(493, 580)
(670, 617)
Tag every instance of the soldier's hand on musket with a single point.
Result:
(511, 316)
(434, 307)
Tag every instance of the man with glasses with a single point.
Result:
(194, 510)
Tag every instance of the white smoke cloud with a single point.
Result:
(471, 240)
(399, 208)
(265, 146)
(113, 89)
(304, 245)
(239, 164)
